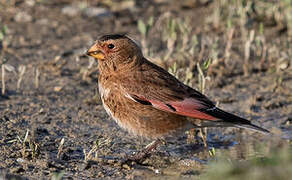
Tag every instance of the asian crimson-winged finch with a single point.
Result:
(145, 99)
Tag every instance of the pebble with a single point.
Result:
(30, 3)
(283, 64)
(100, 174)
(70, 10)
(43, 21)
(58, 88)
(96, 12)
(126, 166)
(75, 9)
(23, 17)
(20, 160)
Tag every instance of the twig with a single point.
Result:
(202, 83)
(202, 50)
(21, 70)
(37, 74)
(60, 149)
(3, 78)
(247, 53)
(229, 44)
(264, 52)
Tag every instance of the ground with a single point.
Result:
(52, 123)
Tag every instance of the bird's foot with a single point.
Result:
(144, 153)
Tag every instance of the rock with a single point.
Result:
(22, 17)
(96, 12)
(74, 9)
(58, 88)
(70, 10)
(30, 3)
(20, 160)
(42, 21)
(126, 166)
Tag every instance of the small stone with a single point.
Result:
(96, 12)
(157, 171)
(30, 3)
(284, 64)
(100, 174)
(123, 5)
(43, 21)
(126, 166)
(70, 10)
(83, 166)
(22, 17)
(58, 88)
(20, 160)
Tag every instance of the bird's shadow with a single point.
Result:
(195, 148)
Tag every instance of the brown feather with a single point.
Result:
(145, 99)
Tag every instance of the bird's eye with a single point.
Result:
(110, 46)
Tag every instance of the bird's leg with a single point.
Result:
(146, 151)
(204, 136)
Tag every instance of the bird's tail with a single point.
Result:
(252, 127)
(233, 120)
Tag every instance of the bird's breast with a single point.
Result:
(104, 92)
(137, 118)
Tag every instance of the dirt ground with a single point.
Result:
(53, 124)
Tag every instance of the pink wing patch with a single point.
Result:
(188, 107)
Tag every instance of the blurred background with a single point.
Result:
(52, 123)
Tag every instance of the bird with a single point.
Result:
(146, 100)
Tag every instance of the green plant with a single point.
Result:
(58, 175)
(275, 165)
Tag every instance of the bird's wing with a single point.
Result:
(156, 87)
(152, 85)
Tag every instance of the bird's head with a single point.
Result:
(115, 49)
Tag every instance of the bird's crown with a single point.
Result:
(112, 37)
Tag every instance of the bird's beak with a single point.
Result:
(96, 52)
